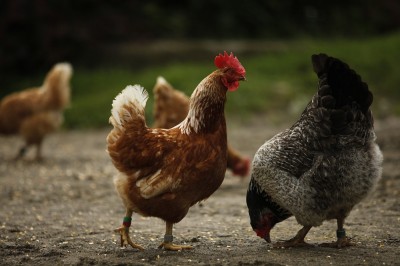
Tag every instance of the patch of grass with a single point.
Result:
(94, 90)
(280, 81)
(284, 82)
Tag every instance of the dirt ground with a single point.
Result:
(64, 210)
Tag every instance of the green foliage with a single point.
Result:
(284, 82)
(279, 83)
(94, 90)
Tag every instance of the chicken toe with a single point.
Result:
(173, 247)
(344, 242)
(291, 243)
(342, 239)
(125, 239)
(297, 241)
(340, 243)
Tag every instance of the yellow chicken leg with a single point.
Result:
(124, 232)
(168, 238)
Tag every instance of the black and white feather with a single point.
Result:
(328, 161)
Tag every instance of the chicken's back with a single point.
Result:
(328, 161)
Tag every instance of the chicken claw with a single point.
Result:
(340, 243)
(291, 243)
(297, 241)
(125, 239)
(168, 238)
(342, 239)
(173, 247)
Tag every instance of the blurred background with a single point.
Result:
(115, 43)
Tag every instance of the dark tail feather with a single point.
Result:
(345, 84)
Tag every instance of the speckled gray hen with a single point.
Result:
(322, 166)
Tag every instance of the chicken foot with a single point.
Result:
(23, 150)
(297, 241)
(168, 238)
(124, 232)
(21, 153)
(342, 240)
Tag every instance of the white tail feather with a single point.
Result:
(65, 67)
(161, 80)
(132, 95)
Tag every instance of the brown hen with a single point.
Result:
(163, 172)
(36, 112)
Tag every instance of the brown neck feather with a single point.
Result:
(207, 103)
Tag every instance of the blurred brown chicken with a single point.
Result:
(171, 107)
(36, 112)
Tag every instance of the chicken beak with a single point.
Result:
(242, 78)
(267, 238)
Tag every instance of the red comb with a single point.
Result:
(229, 61)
